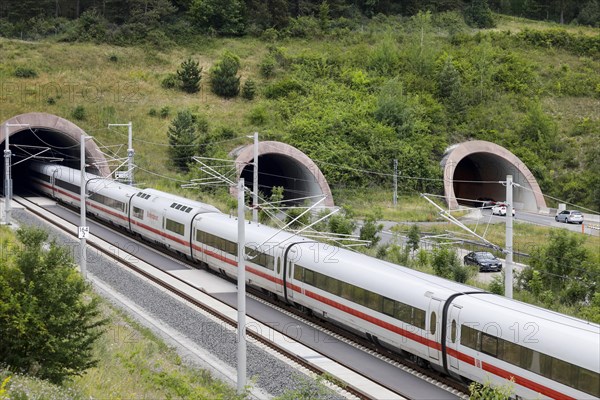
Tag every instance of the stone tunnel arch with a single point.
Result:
(280, 164)
(47, 130)
(472, 170)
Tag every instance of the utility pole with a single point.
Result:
(255, 181)
(7, 172)
(508, 248)
(130, 151)
(241, 294)
(83, 228)
(395, 182)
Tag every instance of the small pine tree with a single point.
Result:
(183, 141)
(223, 76)
(249, 89)
(189, 76)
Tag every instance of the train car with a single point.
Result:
(546, 353)
(166, 219)
(109, 200)
(396, 307)
(58, 182)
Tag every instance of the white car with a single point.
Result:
(500, 209)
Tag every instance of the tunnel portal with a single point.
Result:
(280, 164)
(473, 172)
(46, 137)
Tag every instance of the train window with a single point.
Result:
(453, 331)
(262, 259)
(332, 286)
(178, 206)
(278, 266)
(418, 318)
(468, 337)
(509, 352)
(432, 323)
(388, 306)
(188, 210)
(299, 273)
(562, 371)
(373, 301)
(107, 201)
(175, 227)
(358, 295)
(138, 212)
(320, 281)
(545, 365)
(289, 269)
(173, 205)
(489, 344)
(404, 312)
(309, 277)
(588, 381)
(346, 291)
(66, 185)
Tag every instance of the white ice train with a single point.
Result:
(463, 331)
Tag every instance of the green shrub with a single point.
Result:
(284, 88)
(267, 66)
(79, 113)
(113, 58)
(152, 112)
(249, 89)
(479, 15)
(25, 72)
(170, 81)
(165, 112)
(304, 27)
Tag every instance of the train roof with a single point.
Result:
(168, 200)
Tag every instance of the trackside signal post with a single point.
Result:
(7, 173)
(508, 248)
(84, 230)
(241, 294)
(130, 152)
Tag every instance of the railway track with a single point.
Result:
(350, 382)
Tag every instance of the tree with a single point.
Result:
(48, 321)
(223, 76)
(224, 17)
(371, 228)
(561, 268)
(413, 237)
(479, 15)
(189, 76)
(183, 141)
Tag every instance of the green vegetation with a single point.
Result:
(48, 322)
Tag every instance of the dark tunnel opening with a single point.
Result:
(281, 170)
(41, 145)
(476, 179)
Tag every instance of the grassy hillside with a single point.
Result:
(353, 98)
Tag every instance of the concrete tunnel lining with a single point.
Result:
(280, 164)
(489, 164)
(61, 135)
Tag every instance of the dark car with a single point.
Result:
(486, 261)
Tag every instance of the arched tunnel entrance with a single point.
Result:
(473, 172)
(45, 137)
(280, 164)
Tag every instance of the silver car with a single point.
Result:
(570, 217)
